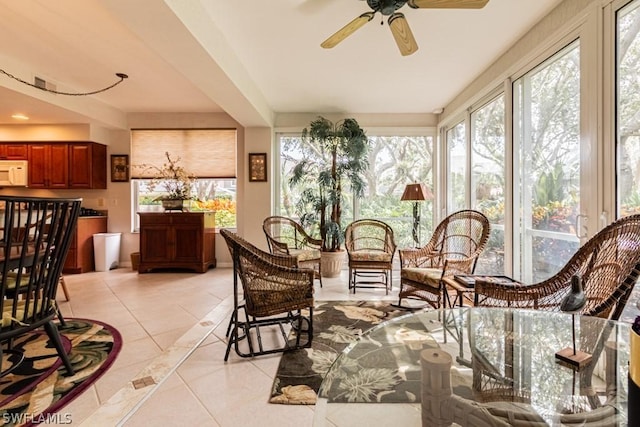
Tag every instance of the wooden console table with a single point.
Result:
(177, 240)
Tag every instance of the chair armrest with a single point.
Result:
(419, 258)
(312, 243)
(458, 266)
(279, 259)
(278, 247)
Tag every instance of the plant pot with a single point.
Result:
(331, 263)
(172, 204)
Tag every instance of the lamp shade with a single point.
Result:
(416, 192)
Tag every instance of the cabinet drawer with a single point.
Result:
(153, 218)
(186, 218)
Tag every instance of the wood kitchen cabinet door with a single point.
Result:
(13, 152)
(48, 165)
(87, 165)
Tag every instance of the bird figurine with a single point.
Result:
(575, 299)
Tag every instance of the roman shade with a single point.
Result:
(204, 153)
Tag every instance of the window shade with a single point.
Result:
(204, 153)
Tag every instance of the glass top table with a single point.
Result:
(501, 362)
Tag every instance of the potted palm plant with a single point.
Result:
(334, 158)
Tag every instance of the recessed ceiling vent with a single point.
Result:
(40, 83)
(43, 84)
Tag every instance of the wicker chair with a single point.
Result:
(608, 265)
(453, 249)
(275, 293)
(287, 237)
(36, 235)
(370, 246)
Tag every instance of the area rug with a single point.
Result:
(336, 324)
(40, 387)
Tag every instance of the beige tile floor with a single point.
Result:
(173, 327)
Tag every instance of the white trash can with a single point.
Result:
(106, 250)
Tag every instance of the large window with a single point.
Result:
(547, 140)
(456, 167)
(628, 109)
(394, 162)
(488, 179)
(207, 154)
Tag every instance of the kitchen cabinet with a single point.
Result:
(80, 165)
(80, 257)
(48, 165)
(87, 165)
(13, 151)
(180, 240)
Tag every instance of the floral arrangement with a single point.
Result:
(172, 178)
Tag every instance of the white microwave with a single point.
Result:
(13, 173)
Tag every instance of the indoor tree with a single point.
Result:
(334, 157)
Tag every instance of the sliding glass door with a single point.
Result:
(547, 167)
(627, 109)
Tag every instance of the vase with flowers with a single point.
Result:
(172, 180)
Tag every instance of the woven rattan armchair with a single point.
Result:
(287, 237)
(275, 292)
(370, 246)
(35, 238)
(453, 249)
(607, 264)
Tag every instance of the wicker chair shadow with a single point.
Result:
(275, 291)
(287, 237)
(36, 235)
(454, 248)
(371, 247)
(608, 265)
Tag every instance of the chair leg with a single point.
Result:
(54, 336)
(64, 288)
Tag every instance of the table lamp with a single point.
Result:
(416, 193)
(572, 303)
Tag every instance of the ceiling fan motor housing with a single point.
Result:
(386, 7)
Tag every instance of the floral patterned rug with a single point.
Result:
(40, 387)
(336, 324)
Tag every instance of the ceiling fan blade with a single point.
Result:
(347, 30)
(402, 33)
(447, 4)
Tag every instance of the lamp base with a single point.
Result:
(577, 360)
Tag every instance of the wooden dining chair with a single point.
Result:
(30, 268)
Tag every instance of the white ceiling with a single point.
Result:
(251, 58)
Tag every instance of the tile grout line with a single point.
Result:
(123, 405)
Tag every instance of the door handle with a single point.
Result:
(581, 220)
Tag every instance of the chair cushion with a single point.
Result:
(12, 279)
(428, 276)
(8, 308)
(305, 254)
(370, 255)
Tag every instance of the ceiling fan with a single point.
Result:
(397, 22)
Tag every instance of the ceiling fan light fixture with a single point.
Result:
(397, 22)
